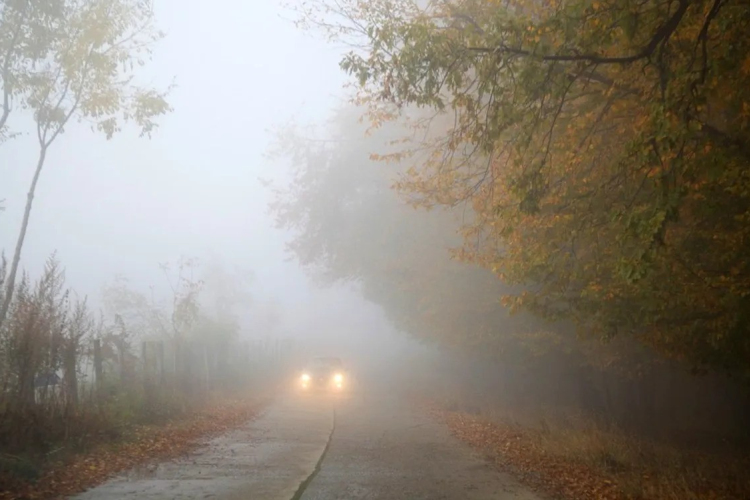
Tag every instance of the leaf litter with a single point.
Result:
(516, 450)
(144, 444)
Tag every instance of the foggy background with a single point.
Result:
(125, 205)
(242, 70)
(414, 271)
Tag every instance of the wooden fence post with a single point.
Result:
(160, 362)
(206, 367)
(70, 375)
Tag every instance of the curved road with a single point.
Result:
(315, 448)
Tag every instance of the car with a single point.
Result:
(324, 373)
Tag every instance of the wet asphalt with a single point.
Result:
(318, 447)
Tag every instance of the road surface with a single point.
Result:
(311, 448)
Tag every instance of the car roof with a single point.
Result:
(326, 360)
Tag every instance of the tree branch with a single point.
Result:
(7, 86)
(661, 35)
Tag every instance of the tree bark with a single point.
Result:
(207, 368)
(11, 283)
(98, 368)
(26, 387)
(119, 344)
(591, 398)
(160, 362)
(71, 374)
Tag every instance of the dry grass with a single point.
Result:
(643, 468)
(69, 473)
(574, 457)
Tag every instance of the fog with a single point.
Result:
(477, 207)
(125, 205)
(245, 79)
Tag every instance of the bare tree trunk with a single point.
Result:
(98, 368)
(144, 360)
(26, 395)
(160, 362)
(148, 380)
(121, 358)
(28, 368)
(177, 354)
(182, 383)
(206, 367)
(71, 374)
(11, 283)
(609, 380)
(591, 398)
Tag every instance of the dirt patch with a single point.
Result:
(142, 444)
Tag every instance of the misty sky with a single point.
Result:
(124, 205)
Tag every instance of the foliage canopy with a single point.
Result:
(601, 145)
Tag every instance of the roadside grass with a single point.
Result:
(642, 468)
(77, 465)
(576, 458)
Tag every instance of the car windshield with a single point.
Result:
(325, 363)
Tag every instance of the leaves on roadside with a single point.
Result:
(513, 450)
(144, 444)
(518, 450)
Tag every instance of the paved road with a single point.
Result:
(305, 448)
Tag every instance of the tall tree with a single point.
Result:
(24, 30)
(350, 226)
(132, 311)
(84, 55)
(186, 289)
(602, 146)
(226, 291)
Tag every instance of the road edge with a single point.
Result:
(318, 465)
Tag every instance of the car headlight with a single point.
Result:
(305, 377)
(338, 378)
